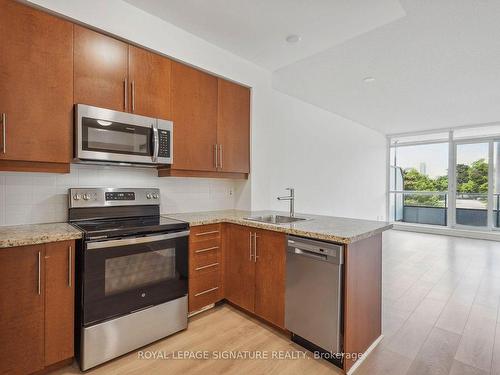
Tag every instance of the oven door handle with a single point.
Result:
(135, 240)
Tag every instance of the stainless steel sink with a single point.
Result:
(275, 219)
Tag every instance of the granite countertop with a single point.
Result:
(328, 228)
(32, 234)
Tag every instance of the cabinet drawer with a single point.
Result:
(205, 232)
(204, 290)
(203, 259)
(209, 265)
(204, 246)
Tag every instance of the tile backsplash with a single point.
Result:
(28, 198)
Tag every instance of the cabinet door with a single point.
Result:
(21, 310)
(59, 301)
(149, 75)
(194, 105)
(100, 70)
(240, 268)
(233, 127)
(270, 277)
(36, 85)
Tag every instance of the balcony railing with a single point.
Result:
(430, 207)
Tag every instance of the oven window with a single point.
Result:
(138, 270)
(114, 137)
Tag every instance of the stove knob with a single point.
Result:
(76, 197)
(148, 195)
(86, 196)
(155, 196)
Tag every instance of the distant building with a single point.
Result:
(423, 168)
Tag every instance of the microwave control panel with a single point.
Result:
(164, 139)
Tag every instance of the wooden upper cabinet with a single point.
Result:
(21, 310)
(270, 248)
(194, 105)
(59, 301)
(100, 70)
(149, 76)
(233, 127)
(240, 268)
(36, 85)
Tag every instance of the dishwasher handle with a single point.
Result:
(319, 250)
(309, 254)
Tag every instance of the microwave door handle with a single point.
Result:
(156, 143)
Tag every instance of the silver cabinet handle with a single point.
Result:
(70, 255)
(207, 249)
(205, 233)
(39, 281)
(255, 256)
(216, 157)
(206, 291)
(132, 87)
(250, 246)
(221, 157)
(4, 138)
(125, 94)
(207, 266)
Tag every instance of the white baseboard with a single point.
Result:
(365, 354)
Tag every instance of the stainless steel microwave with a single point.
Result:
(113, 137)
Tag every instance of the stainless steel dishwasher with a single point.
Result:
(313, 307)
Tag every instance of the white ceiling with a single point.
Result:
(437, 67)
(436, 62)
(256, 29)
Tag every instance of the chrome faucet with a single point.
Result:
(290, 198)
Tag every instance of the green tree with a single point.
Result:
(462, 173)
(471, 179)
(441, 183)
(414, 180)
(478, 173)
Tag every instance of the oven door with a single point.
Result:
(126, 275)
(111, 136)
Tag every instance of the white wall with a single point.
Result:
(337, 166)
(28, 198)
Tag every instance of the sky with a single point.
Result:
(435, 156)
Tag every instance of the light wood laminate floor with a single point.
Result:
(440, 316)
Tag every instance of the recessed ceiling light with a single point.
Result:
(369, 79)
(293, 38)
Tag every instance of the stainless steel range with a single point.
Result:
(132, 272)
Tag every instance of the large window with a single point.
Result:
(447, 178)
(420, 183)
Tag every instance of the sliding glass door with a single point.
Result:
(472, 198)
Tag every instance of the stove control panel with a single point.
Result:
(103, 197)
(120, 196)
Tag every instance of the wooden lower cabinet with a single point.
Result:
(270, 276)
(21, 310)
(240, 267)
(59, 301)
(244, 265)
(255, 272)
(205, 266)
(36, 306)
